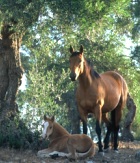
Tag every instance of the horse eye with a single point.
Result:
(50, 127)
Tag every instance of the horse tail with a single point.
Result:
(90, 153)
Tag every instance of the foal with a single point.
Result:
(64, 144)
(98, 94)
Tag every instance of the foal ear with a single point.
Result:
(52, 118)
(81, 49)
(71, 49)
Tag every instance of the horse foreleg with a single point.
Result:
(83, 117)
(84, 127)
(98, 116)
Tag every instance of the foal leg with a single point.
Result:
(44, 153)
(71, 150)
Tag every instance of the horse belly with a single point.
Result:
(111, 103)
(87, 102)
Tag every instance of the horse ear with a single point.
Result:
(52, 118)
(81, 49)
(71, 49)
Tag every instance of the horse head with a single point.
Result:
(76, 63)
(47, 127)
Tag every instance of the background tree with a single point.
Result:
(15, 20)
(46, 29)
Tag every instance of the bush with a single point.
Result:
(15, 134)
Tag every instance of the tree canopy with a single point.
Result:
(48, 28)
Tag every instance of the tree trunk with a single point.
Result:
(126, 134)
(74, 119)
(10, 70)
(73, 114)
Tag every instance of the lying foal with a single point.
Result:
(63, 143)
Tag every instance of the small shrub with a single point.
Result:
(15, 134)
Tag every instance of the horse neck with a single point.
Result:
(85, 79)
(58, 131)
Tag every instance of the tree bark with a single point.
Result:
(10, 70)
(73, 114)
(126, 134)
(74, 119)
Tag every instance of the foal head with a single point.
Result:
(47, 127)
(76, 63)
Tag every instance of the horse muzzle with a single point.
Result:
(73, 76)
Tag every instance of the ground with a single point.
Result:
(126, 154)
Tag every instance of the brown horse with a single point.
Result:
(98, 94)
(64, 144)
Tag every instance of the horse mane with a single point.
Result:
(92, 71)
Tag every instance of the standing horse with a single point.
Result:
(98, 94)
(64, 144)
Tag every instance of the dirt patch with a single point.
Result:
(126, 154)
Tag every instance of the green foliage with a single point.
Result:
(21, 14)
(15, 134)
(101, 26)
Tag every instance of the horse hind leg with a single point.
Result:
(109, 130)
(83, 117)
(116, 115)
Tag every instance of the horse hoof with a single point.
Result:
(106, 150)
(101, 153)
(116, 151)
